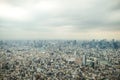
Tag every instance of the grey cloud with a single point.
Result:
(74, 13)
(116, 5)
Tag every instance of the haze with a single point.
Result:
(60, 19)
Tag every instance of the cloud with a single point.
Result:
(58, 17)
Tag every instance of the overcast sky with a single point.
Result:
(60, 19)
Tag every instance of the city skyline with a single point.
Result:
(60, 19)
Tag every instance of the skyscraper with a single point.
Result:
(84, 60)
(75, 54)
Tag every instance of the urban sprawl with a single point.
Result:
(59, 60)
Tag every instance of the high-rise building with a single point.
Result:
(75, 54)
(84, 60)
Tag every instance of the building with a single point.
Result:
(84, 60)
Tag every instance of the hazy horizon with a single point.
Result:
(59, 19)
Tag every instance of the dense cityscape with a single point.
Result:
(59, 39)
(60, 60)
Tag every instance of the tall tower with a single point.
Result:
(75, 54)
(84, 60)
